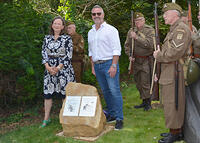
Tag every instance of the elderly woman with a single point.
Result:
(56, 56)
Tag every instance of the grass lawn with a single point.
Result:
(139, 126)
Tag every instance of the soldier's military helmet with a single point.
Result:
(137, 15)
(193, 72)
(184, 13)
(171, 6)
(69, 23)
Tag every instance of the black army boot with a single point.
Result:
(164, 134)
(141, 105)
(147, 106)
(181, 135)
(171, 138)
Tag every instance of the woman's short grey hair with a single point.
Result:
(98, 6)
(178, 13)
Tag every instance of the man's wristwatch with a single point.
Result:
(114, 65)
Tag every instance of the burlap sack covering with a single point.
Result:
(79, 126)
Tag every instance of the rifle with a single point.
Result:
(130, 68)
(190, 24)
(156, 69)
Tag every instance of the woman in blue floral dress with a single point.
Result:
(56, 56)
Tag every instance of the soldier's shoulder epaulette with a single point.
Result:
(76, 34)
(182, 27)
(180, 30)
(148, 26)
(149, 29)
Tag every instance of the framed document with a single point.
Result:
(72, 106)
(88, 106)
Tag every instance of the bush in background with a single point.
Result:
(21, 34)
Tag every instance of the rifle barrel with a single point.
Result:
(190, 23)
(130, 68)
(156, 68)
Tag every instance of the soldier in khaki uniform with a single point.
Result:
(143, 50)
(78, 50)
(184, 17)
(175, 47)
(195, 36)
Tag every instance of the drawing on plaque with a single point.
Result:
(72, 105)
(88, 106)
(70, 108)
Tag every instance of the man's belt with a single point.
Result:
(144, 57)
(197, 55)
(100, 61)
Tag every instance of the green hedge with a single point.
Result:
(21, 34)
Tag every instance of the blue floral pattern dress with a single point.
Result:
(55, 52)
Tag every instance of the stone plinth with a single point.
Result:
(83, 126)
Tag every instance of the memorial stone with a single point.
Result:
(81, 114)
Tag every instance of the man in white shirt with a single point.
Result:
(104, 51)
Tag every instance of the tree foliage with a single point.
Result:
(22, 30)
(25, 22)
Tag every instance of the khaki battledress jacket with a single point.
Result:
(78, 55)
(143, 50)
(175, 47)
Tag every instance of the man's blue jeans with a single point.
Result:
(110, 88)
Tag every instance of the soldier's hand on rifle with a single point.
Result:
(133, 35)
(131, 59)
(155, 78)
(155, 53)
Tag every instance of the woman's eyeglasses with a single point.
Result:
(98, 13)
